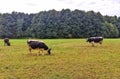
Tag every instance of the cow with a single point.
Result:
(6, 42)
(95, 40)
(40, 45)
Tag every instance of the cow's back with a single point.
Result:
(98, 39)
(37, 44)
(95, 39)
(6, 40)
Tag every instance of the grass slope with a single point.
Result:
(70, 59)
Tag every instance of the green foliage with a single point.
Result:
(58, 24)
(14, 25)
(110, 30)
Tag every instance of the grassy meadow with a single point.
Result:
(70, 59)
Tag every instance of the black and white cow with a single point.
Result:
(6, 42)
(36, 44)
(95, 40)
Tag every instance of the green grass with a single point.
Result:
(70, 59)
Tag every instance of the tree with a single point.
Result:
(58, 24)
(110, 30)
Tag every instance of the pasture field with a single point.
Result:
(70, 59)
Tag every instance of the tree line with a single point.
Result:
(59, 24)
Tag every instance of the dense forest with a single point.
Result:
(59, 24)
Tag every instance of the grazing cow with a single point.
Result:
(95, 40)
(6, 42)
(35, 44)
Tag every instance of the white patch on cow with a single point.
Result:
(100, 37)
(35, 40)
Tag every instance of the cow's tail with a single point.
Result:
(49, 51)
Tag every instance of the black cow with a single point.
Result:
(6, 42)
(95, 40)
(35, 44)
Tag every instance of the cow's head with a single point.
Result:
(88, 40)
(49, 51)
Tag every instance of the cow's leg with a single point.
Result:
(4, 43)
(93, 43)
(42, 52)
(39, 52)
(30, 50)
(100, 42)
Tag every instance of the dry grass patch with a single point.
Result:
(70, 59)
